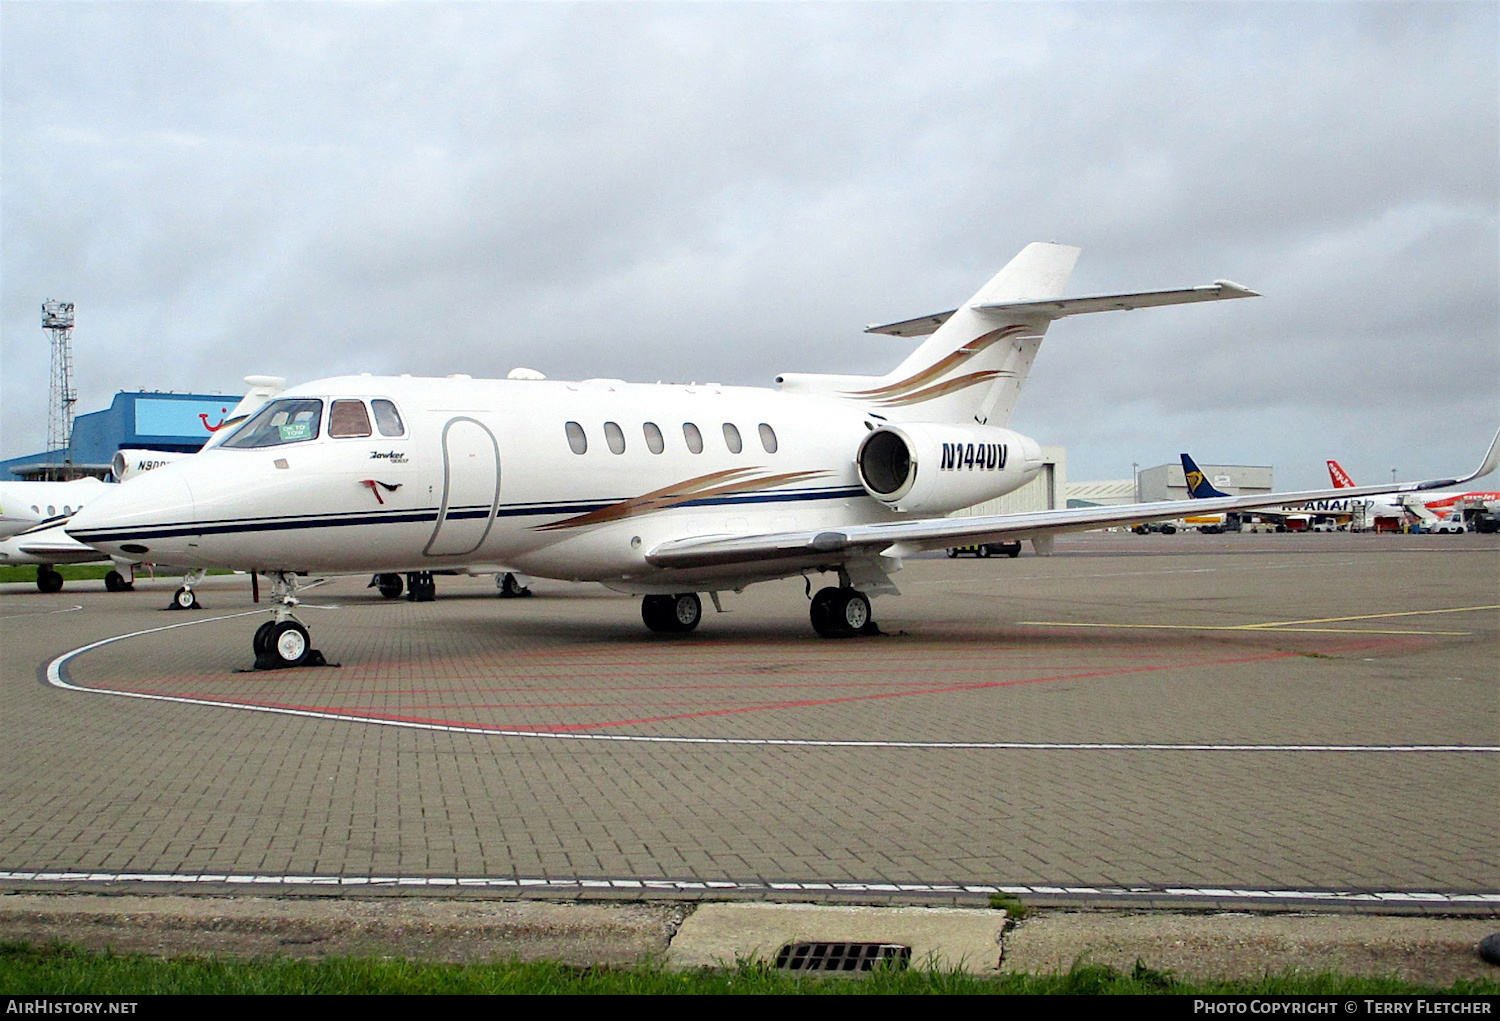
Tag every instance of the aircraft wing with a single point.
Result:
(903, 538)
(48, 544)
(1062, 307)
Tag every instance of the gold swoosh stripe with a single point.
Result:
(960, 383)
(942, 365)
(703, 487)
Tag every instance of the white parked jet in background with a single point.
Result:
(663, 491)
(39, 538)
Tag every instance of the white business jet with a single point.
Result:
(662, 491)
(45, 543)
(40, 537)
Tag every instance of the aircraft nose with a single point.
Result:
(149, 516)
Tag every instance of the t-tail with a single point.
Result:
(975, 358)
(1199, 488)
(973, 365)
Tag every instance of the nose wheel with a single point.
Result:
(284, 641)
(841, 613)
(183, 598)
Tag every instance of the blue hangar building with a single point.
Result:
(152, 421)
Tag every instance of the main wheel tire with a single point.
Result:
(821, 612)
(289, 643)
(687, 611)
(184, 599)
(262, 641)
(509, 587)
(1014, 551)
(953, 553)
(48, 580)
(852, 610)
(656, 612)
(984, 550)
(390, 585)
(114, 581)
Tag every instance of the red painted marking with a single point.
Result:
(763, 707)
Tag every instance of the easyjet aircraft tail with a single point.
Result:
(1341, 479)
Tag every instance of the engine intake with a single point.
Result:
(940, 468)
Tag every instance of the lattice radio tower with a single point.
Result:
(57, 319)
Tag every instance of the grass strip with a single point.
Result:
(64, 970)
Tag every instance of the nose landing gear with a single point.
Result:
(284, 641)
(183, 598)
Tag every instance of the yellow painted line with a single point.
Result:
(1234, 627)
(1286, 625)
(1371, 616)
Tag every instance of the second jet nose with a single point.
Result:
(150, 517)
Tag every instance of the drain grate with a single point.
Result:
(842, 956)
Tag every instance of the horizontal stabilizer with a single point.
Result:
(1059, 308)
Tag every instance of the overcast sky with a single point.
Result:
(727, 191)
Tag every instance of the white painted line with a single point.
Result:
(782, 886)
(55, 678)
(40, 613)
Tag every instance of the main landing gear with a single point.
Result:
(390, 585)
(48, 580)
(841, 613)
(284, 640)
(510, 586)
(114, 581)
(672, 614)
(183, 598)
(420, 587)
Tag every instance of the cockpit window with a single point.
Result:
(348, 418)
(291, 420)
(387, 418)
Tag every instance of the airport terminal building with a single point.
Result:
(154, 421)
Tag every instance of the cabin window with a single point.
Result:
(732, 438)
(576, 439)
(51, 511)
(768, 438)
(387, 418)
(614, 437)
(348, 419)
(290, 420)
(654, 441)
(693, 437)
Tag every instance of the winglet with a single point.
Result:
(1491, 460)
(1199, 488)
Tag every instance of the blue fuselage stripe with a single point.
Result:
(430, 514)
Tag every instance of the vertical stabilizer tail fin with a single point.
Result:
(1341, 479)
(972, 367)
(1199, 488)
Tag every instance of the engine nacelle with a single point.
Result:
(130, 463)
(935, 468)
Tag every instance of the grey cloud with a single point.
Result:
(727, 191)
